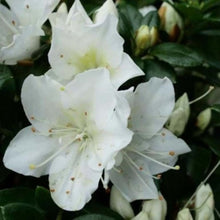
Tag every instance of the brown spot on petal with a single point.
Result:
(161, 198)
(67, 192)
(27, 6)
(99, 164)
(52, 190)
(13, 22)
(86, 113)
(32, 118)
(159, 176)
(140, 168)
(72, 178)
(171, 153)
(61, 55)
(163, 134)
(33, 129)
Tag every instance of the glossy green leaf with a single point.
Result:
(94, 217)
(20, 211)
(213, 143)
(151, 19)
(155, 68)
(177, 55)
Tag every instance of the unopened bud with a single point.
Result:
(145, 10)
(120, 205)
(108, 8)
(63, 8)
(203, 119)
(145, 38)
(153, 209)
(171, 22)
(204, 203)
(180, 115)
(184, 214)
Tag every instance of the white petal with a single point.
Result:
(132, 182)
(107, 8)
(152, 105)
(108, 141)
(28, 148)
(32, 12)
(17, 50)
(100, 46)
(92, 93)
(41, 101)
(71, 188)
(8, 23)
(63, 8)
(145, 10)
(125, 71)
(77, 9)
(168, 143)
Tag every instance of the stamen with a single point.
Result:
(177, 167)
(171, 153)
(202, 96)
(137, 167)
(117, 170)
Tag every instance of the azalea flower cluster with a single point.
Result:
(83, 129)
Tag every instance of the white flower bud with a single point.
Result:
(145, 38)
(204, 203)
(107, 8)
(179, 116)
(120, 205)
(203, 119)
(153, 209)
(145, 10)
(184, 214)
(141, 216)
(63, 8)
(171, 22)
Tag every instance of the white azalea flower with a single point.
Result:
(79, 45)
(107, 8)
(21, 28)
(76, 131)
(153, 149)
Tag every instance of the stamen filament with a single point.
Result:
(177, 167)
(202, 96)
(138, 168)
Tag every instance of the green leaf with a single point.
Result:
(159, 69)
(20, 211)
(216, 108)
(93, 217)
(5, 75)
(198, 163)
(131, 17)
(177, 55)
(213, 143)
(45, 202)
(151, 19)
(20, 195)
(215, 120)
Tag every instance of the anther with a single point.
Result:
(86, 113)
(61, 55)
(50, 130)
(27, 6)
(171, 153)
(72, 178)
(177, 167)
(163, 134)
(79, 139)
(32, 117)
(99, 164)
(52, 190)
(140, 168)
(32, 166)
(108, 190)
(67, 192)
(13, 22)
